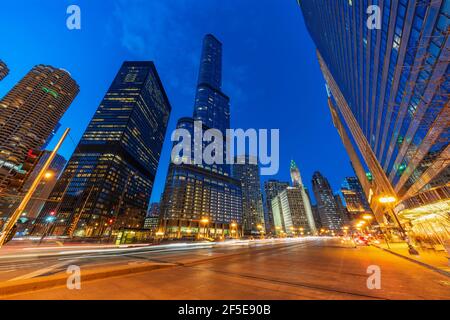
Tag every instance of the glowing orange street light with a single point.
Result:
(387, 199)
(48, 175)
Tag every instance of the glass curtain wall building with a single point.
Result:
(202, 199)
(271, 189)
(108, 181)
(354, 197)
(389, 96)
(252, 203)
(331, 216)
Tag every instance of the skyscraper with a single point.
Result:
(153, 217)
(3, 70)
(109, 178)
(290, 214)
(212, 106)
(388, 93)
(354, 197)
(28, 114)
(246, 170)
(297, 182)
(271, 189)
(202, 199)
(329, 212)
(342, 209)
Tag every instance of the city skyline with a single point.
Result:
(301, 102)
(225, 151)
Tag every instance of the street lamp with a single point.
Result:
(261, 231)
(390, 201)
(233, 229)
(204, 221)
(48, 175)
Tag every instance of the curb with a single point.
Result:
(34, 284)
(428, 266)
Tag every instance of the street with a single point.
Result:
(308, 268)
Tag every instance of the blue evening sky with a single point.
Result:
(271, 72)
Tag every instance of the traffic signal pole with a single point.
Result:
(18, 212)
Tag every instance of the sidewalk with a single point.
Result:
(437, 261)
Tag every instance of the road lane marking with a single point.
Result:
(40, 272)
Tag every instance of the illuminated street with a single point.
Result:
(311, 268)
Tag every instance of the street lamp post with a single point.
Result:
(390, 202)
(204, 222)
(18, 212)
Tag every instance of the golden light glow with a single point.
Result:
(234, 225)
(367, 217)
(387, 199)
(204, 220)
(48, 175)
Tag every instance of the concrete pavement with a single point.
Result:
(314, 269)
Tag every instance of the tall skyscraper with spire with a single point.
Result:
(203, 199)
(212, 106)
(3, 70)
(108, 181)
(295, 175)
(297, 182)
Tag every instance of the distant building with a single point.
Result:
(46, 186)
(271, 189)
(3, 70)
(154, 210)
(354, 197)
(316, 215)
(297, 182)
(330, 214)
(108, 181)
(152, 221)
(342, 209)
(202, 199)
(290, 214)
(246, 170)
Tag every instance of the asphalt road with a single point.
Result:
(302, 269)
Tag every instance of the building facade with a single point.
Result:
(152, 221)
(4, 71)
(290, 213)
(389, 94)
(246, 170)
(354, 197)
(28, 115)
(202, 199)
(108, 181)
(271, 189)
(330, 214)
(297, 182)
